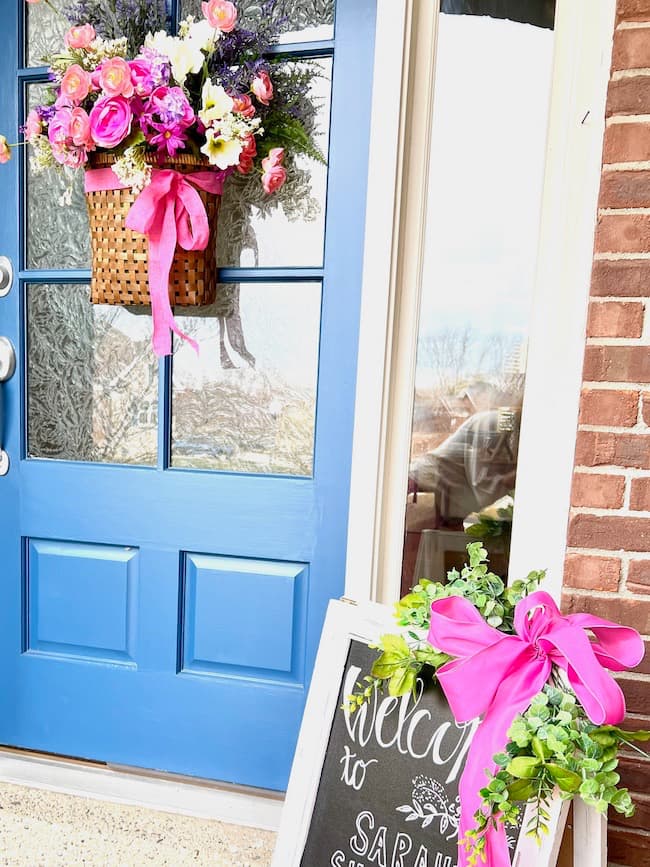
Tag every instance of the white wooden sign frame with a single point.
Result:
(344, 623)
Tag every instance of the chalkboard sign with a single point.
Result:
(379, 787)
(388, 793)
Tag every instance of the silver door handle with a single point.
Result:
(7, 369)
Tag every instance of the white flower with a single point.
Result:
(221, 152)
(215, 101)
(185, 55)
(203, 34)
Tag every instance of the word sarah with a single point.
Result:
(377, 849)
(397, 722)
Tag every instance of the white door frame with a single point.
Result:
(390, 301)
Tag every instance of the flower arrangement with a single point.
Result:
(212, 89)
(549, 710)
(167, 119)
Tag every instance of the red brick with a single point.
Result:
(645, 407)
(640, 495)
(630, 95)
(617, 364)
(631, 49)
(597, 491)
(641, 817)
(633, 10)
(609, 407)
(637, 694)
(638, 576)
(623, 233)
(592, 573)
(635, 773)
(644, 668)
(627, 847)
(626, 143)
(623, 610)
(615, 319)
(609, 533)
(595, 449)
(623, 277)
(625, 189)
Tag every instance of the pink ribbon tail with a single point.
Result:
(169, 211)
(496, 676)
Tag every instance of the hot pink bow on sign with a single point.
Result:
(169, 211)
(496, 676)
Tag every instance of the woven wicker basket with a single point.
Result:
(120, 272)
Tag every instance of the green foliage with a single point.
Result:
(553, 746)
(476, 583)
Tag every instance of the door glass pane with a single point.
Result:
(288, 228)
(481, 248)
(92, 379)
(44, 32)
(247, 403)
(57, 231)
(302, 20)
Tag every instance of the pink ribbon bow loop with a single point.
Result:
(169, 211)
(496, 676)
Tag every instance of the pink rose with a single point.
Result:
(80, 36)
(75, 84)
(110, 121)
(58, 130)
(243, 105)
(71, 156)
(141, 76)
(263, 88)
(5, 150)
(33, 125)
(115, 77)
(221, 14)
(275, 158)
(80, 129)
(273, 179)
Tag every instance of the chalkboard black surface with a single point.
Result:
(388, 792)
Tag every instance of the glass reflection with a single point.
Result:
(247, 403)
(302, 20)
(92, 379)
(57, 219)
(44, 31)
(481, 245)
(289, 228)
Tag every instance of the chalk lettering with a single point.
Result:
(422, 858)
(394, 723)
(359, 843)
(354, 772)
(403, 845)
(337, 859)
(377, 853)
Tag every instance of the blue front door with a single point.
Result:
(170, 534)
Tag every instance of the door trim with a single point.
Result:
(255, 808)
(391, 292)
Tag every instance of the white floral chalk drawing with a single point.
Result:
(430, 802)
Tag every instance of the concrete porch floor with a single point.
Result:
(39, 828)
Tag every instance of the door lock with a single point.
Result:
(7, 369)
(6, 276)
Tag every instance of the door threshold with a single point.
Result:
(170, 793)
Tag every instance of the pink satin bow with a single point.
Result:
(169, 211)
(497, 675)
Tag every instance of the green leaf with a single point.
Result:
(402, 681)
(521, 790)
(540, 749)
(395, 644)
(524, 767)
(567, 780)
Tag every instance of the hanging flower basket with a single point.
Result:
(120, 256)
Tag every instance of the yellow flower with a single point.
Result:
(5, 150)
(215, 103)
(221, 152)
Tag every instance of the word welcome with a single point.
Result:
(398, 723)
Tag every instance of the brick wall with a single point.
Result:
(607, 568)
